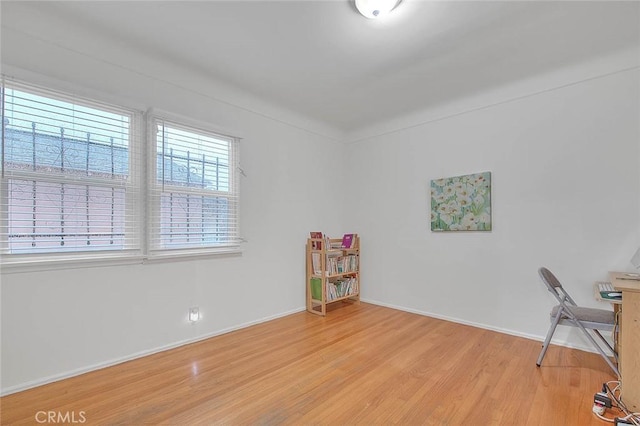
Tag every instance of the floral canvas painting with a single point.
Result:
(461, 203)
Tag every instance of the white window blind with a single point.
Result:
(69, 174)
(194, 191)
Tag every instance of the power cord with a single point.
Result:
(606, 398)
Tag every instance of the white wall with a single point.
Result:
(565, 161)
(566, 194)
(61, 322)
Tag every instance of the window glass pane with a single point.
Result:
(193, 220)
(54, 136)
(66, 168)
(195, 196)
(54, 217)
(190, 159)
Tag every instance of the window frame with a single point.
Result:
(132, 243)
(152, 118)
(139, 213)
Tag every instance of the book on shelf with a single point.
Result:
(334, 245)
(316, 288)
(316, 263)
(341, 264)
(316, 245)
(347, 241)
(341, 288)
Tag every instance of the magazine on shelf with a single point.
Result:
(316, 288)
(347, 241)
(316, 245)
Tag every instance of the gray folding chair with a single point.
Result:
(567, 312)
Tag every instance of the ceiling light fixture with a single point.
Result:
(375, 9)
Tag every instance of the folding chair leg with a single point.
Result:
(602, 353)
(547, 339)
(613, 351)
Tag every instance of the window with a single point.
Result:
(78, 184)
(68, 179)
(194, 190)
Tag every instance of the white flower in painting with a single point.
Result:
(434, 216)
(464, 202)
(439, 198)
(454, 208)
(455, 227)
(478, 200)
(463, 191)
(484, 218)
(440, 182)
(448, 191)
(478, 180)
(446, 218)
(459, 185)
(443, 209)
(469, 222)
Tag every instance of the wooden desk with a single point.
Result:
(629, 337)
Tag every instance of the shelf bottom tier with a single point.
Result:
(319, 308)
(348, 296)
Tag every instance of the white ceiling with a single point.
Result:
(324, 60)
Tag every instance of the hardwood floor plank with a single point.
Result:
(361, 364)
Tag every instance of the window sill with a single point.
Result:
(14, 265)
(179, 255)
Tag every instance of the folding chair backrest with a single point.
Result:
(554, 286)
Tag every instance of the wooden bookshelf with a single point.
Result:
(333, 273)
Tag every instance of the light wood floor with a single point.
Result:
(362, 364)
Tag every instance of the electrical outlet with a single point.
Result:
(194, 314)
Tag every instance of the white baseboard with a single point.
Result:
(536, 337)
(67, 374)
